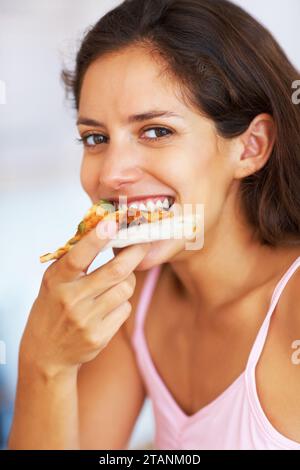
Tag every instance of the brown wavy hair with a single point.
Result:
(231, 68)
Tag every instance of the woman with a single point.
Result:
(188, 99)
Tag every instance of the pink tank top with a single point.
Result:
(235, 419)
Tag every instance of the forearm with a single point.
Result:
(46, 412)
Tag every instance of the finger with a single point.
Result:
(106, 328)
(76, 262)
(113, 272)
(111, 299)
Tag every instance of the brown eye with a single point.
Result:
(157, 133)
(91, 140)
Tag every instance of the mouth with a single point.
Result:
(143, 203)
(144, 219)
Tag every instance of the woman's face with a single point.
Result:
(178, 155)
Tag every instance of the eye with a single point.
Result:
(91, 140)
(154, 130)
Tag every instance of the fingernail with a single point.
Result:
(106, 229)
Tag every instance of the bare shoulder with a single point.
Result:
(290, 315)
(292, 302)
(289, 307)
(281, 363)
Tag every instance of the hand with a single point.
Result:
(76, 314)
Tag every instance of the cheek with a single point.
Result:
(203, 179)
(195, 176)
(211, 181)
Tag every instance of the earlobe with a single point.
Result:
(257, 144)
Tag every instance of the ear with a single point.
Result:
(256, 145)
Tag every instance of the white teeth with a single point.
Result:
(166, 204)
(150, 205)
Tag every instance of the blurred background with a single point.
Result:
(41, 199)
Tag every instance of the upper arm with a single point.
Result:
(111, 392)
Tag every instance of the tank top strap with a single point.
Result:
(263, 331)
(145, 298)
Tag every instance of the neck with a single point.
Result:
(231, 264)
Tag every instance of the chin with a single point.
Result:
(161, 252)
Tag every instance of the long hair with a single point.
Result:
(231, 68)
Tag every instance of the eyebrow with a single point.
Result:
(131, 119)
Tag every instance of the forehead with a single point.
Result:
(130, 80)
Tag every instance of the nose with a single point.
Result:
(119, 169)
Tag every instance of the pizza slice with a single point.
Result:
(126, 218)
